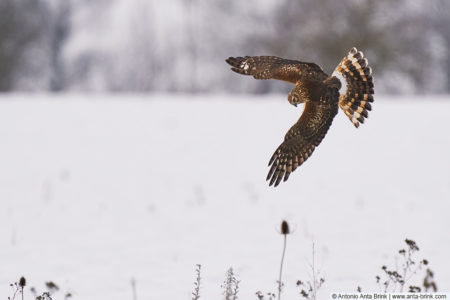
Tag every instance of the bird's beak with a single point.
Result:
(295, 104)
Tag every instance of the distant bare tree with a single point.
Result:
(58, 32)
(442, 26)
(20, 28)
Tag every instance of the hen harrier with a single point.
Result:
(350, 87)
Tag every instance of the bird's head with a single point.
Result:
(293, 100)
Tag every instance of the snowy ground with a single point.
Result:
(96, 190)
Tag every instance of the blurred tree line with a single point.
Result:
(32, 35)
(180, 45)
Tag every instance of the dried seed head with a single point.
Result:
(51, 285)
(412, 245)
(22, 282)
(284, 227)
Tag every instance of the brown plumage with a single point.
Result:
(349, 87)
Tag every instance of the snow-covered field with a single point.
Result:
(96, 190)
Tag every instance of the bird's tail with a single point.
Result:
(356, 91)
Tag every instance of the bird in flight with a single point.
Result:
(350, 87)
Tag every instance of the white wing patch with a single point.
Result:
(244, 66)
(343, 89)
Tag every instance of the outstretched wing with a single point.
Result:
(272, 67)
(301, 140)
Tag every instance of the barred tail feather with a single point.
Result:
(356, 91)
